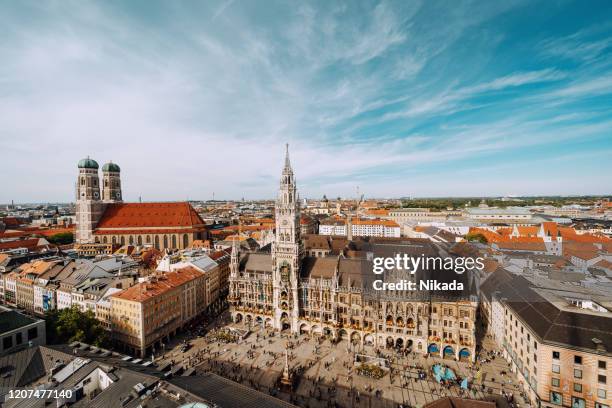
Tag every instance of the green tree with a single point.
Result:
(68, 325)
(62, 238)
(477, 237)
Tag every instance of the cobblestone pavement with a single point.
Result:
(324, 371)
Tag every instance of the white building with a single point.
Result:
(497, 319)
(64, 299)
(361, 227)
(512, 215)
(403, 215)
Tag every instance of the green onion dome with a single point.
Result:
(88, 163)
(111, 167)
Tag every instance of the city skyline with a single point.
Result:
(400, 99)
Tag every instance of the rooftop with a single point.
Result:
(139, 215)
(11, 320)
(158, 285)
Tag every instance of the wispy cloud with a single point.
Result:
(365, 93)
(585, 45)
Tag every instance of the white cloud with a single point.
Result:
(187, 106)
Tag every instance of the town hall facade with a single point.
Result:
(288, 290)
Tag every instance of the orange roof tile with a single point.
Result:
(364, 221)
(37, 267)
(378, 212)
(527, 231)
(138, 215)
(128, 231)
(604, 264)
(168, 281)
(22, 243)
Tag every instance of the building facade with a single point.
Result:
(360, 227)
(19, 331)
(559, 350)
(289, 289)
(145, 316)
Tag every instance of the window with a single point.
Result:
(556, 398)
(601, 364)
(556, 355)
(7, 342)
(555, 382)
(577, 360)
(601, 393)
(577, 387)
(556, 368)
(578, 402)
(32, 333)
(601, 379)
(18, 338)
(577, 373)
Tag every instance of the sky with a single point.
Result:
(392, 99)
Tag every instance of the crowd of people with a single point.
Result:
(256, 364)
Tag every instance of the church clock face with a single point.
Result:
(284, 272)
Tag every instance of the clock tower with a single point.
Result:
(287, 252)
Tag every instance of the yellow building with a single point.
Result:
(144, 316)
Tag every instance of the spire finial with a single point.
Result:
(234, 247)
(287, 163)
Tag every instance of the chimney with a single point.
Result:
(599, 345)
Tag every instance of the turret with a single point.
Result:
(88, 183)
(111, 182)
(89, 206)
(235, 259)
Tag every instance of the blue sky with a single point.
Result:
(401, 98)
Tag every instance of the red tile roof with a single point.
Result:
(13, 234)
(147, 215)
(146, 290)
(128, 230)
(218, 254)
(30, 244)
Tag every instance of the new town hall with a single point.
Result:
(323, 285)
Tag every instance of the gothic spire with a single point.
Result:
(235, 247)
(287, 162)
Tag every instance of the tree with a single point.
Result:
(62, 238)
(68, 325)
(477, 237)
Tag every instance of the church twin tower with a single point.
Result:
(90, 204)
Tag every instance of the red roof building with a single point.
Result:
(163, 225)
